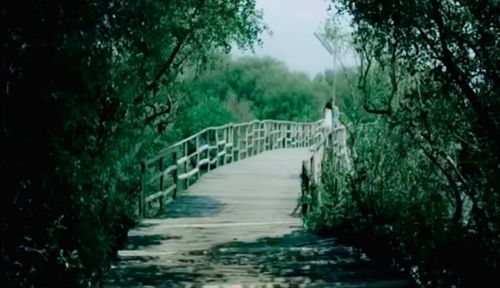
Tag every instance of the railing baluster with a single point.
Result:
(233, 142)
(209, 165)
(161, 181)
(198, 157)
(186, 165)
(225, 146)
(175, 174)
(142, 197)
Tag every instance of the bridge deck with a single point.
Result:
(233, 228)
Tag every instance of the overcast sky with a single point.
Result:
(292, 23)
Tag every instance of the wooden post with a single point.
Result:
(198, 156)
(174, 175)
(244, 151)
(208, 150)
(263, 139)
(293, 135)
(257, 138)
(269, 136)
(239, 139)
(302, 136)
(217, 150)
(161, 181)
(224, 136)
(256, 133)
(247, 143)
(231, 140)
(186, 165)
(142, 196)
(236, 143)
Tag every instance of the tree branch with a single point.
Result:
(485, 122)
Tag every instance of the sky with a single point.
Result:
(293, 23)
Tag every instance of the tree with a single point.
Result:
(428, 71)
(85, 87)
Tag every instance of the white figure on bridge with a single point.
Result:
(331, 117)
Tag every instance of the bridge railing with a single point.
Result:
(334, 144)
(182, 164)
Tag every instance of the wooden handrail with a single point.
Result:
(183, 163)
(312, 167)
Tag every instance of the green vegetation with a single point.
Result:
(423, 118)
(86, 88)
(246, 89)
(91, 88)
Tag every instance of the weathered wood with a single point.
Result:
(186, 167)
(161, 194)
(162, 178)
(333, 141)
(208, 151)
(142, 197)
(187, 175)
(203, 162)
(174, 175)
(217, 147)
(234, 228)
(223, 144)
(198, 155)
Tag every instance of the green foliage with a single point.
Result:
(424, 186)
(86, 86)
(248, 88)
(207, 113)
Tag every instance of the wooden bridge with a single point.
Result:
(234, 220)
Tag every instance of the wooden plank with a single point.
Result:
(230, 223)
(164, 193)
(189, 174)
(165, 172)
(237, 125)
(186, 158)
(182, 160)
(203, 162)
(203, 148)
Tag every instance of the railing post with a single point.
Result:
(236, 143)
(186, 165)
(161, 181)
(302, 135)
(269, 133)
(254, 146)
(175, 175)
(231, 140)
(142, 196)
(217, 148)
(198, 156)
(224, 136)
(247, 142)
(264, 136)
(208, 151)
(259, 137)
(241, 136)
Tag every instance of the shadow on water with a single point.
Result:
(191, 206)
(295, 260)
